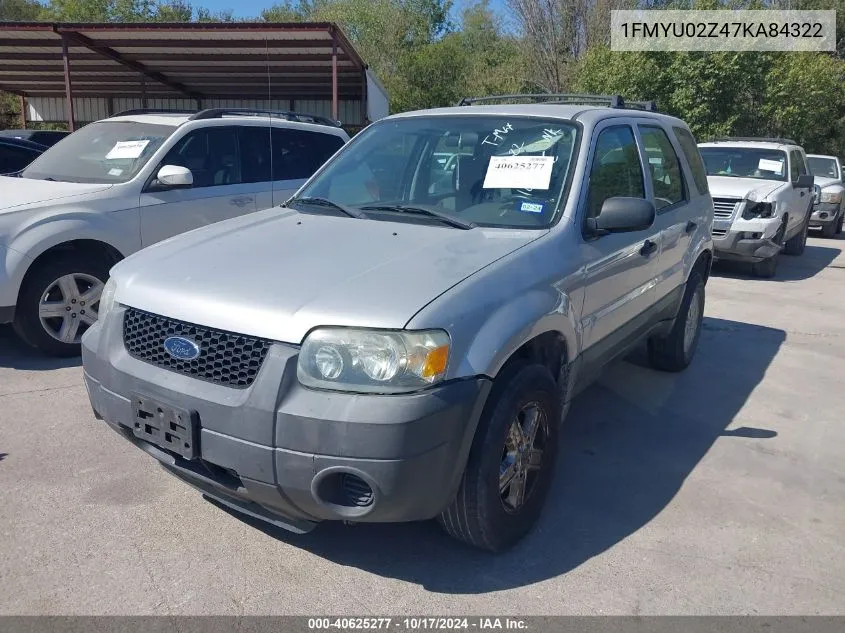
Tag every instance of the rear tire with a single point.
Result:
(42, 291)
(839, 222)
(488, 512)
(675, 351)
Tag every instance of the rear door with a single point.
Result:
(666, 187)
(620, 268)
(218, 192)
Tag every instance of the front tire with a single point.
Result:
(675, 351)
(796, 244)
(511, 463)
(59, 301)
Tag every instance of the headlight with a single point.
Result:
(106, 299)
(373, 361)
(831, 196)
(757, 210)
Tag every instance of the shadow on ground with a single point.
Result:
(16, 354)
(809, 264)
(629, 443)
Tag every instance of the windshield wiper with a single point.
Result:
(323, 202)
(443, 217)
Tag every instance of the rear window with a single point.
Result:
(690, 149)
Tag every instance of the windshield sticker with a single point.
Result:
(115, 172)
(519, 172)
(775, 166)
(498, 134)
(127, 149)
(531, 207)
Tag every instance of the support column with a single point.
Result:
(68, 87)
(364, 98)
(143, 91)
(334, 76)
(23, 111)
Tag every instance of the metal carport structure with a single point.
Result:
(105, 68)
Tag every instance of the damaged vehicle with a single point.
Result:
(829, 205)
(762, 199)
(402, 339)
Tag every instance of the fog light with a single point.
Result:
(823, 215)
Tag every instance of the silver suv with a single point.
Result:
(402, 339)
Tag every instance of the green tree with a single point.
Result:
(19, 10)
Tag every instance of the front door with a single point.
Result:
(218, 191)
(620, 268)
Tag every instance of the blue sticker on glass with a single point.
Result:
(531, 207)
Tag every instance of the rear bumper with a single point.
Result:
(284, 453)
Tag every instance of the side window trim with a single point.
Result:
(607, 124)
(685, 192)
(677, 132)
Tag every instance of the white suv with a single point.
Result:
(762, 199)
(121, 184)
(829, 207)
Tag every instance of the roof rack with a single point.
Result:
(613, 101)
(759, 139)
(151, 111)
(288, 115)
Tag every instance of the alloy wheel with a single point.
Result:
(69, 305)
(522, 456)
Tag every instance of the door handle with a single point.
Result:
(691, 226)
(648, 248)
(802, 193)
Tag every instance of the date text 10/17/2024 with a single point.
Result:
(417, 623)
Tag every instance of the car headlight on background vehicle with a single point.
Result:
(348, 359)
(106, 299)
(831, 196)
(757, 210)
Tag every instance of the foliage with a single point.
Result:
(427, 59)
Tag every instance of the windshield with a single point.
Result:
(103, 152)
(745, 162)
(824, 167)
(480, 170)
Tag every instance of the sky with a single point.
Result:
(251, 8)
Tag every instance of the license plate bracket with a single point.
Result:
(168, 427)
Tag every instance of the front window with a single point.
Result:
(105, 152)
(745, 162)
(824, 167)
(479, 170)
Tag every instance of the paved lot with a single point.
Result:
(716, 491)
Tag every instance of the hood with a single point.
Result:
(823, 182)
(17, 192)
(730, 187)
(278, 273)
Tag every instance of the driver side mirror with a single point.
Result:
(174, 176)
(622, 215)
(805, 181)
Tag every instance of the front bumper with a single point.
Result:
(281, 452)
(824, 213)
(736, 246)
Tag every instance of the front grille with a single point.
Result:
(723, 208)
(226, 358)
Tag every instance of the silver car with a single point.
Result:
(402, 339)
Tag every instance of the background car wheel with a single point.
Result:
(831, 229)
(767, 268)
(839, 222)
(674, 352)
(796, 244)
(59, 302)
(511, 463)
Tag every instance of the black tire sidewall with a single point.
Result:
(524, 384)
(27, 323)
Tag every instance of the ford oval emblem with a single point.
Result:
(181, 348)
